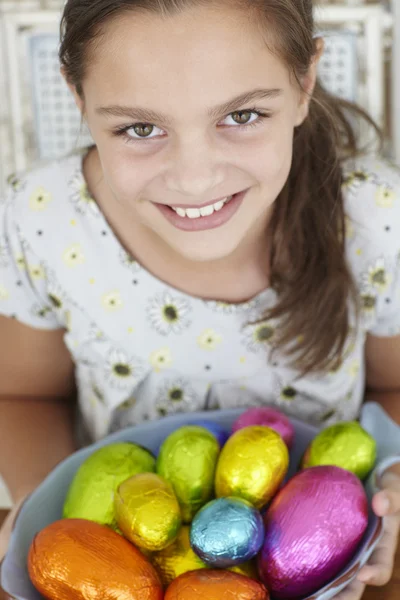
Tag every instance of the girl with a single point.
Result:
(222, 244)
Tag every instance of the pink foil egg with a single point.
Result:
(269, 417)
(312, 530)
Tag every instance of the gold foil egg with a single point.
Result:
(147, 511)
(345, 445)
(252, 465)
(91, 493)
(248, 569)
(187, 459)
(215, 585)
(75, 559)
(178, 558)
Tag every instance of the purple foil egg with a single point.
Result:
(312, 530)
(270, 417)
(215, 428)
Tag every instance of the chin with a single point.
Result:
(205, 252)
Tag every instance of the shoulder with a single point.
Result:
(43, 197)
(371, 190)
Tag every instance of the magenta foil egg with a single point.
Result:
(270, 417)
(312, 530)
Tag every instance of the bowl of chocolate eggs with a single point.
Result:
(244, 503)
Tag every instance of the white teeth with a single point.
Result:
(193, 213)
(205, 211)
(218, 205)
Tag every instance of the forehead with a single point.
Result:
(142, 55)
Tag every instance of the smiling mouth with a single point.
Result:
(204, 211)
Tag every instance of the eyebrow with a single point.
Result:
(149, 116)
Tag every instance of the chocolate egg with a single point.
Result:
(177, 558)
(216, 429)
(75, 559)
(248, 569)
(147, 511)
(227, 532)
(252, 465)
(187, 459)
(345, 445)
(270, 417)
(312, 530)
(215, 585)
(91, 493)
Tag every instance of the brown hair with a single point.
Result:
(308, 265)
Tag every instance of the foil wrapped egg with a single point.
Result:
(216, 429)
(215, 585)
(91, 493)
(147, 511)
(248, 569)
(345, 445)
(312, 530)
(188, 459)
(270, 417)
(177, 558)
(76, 559)
(252, 465)
(227, 532)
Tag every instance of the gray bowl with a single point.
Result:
(44, 505)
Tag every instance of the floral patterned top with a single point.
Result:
(143, 349)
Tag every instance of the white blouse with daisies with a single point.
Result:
(144, 349)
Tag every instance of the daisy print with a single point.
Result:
(43, 312)
(39, 199)
(368, 306)
(4, 293)
(258, 336)
(355, 179)
(73, 256)
(385, 196)
(176, 396)
(16, 183)
(37, 272)
(4, 252)
(209, 340)
(377, 276)
(21, 262)
(80, 196)
(128, 261)
(123, 371)
(112, 301)
(169, 314)
(161, 359)
(127, 404)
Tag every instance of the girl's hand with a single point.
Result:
(379, 569)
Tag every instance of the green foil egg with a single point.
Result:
(91, 493)
(345, 445)
(188, 459)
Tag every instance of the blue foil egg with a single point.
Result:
(216, 429)
(227, 532)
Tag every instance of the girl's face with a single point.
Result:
(172, 106)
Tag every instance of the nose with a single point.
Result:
(194, 170)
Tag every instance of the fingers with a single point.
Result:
(387, 502)
(379, 569)
(354, 591)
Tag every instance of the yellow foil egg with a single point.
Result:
(345, 445)
(187, 459)
(147, 511)
(248, 569)
(177, 559)
(252, 465)
(91, 493)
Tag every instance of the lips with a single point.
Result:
(214, 215)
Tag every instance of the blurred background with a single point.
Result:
(39, 120)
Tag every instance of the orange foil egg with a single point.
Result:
(75, 559)
(215, 585)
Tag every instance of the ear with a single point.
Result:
(78, 99)
(308, 82)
